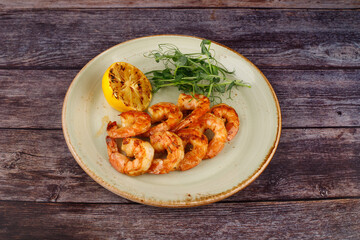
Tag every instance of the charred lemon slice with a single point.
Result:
(126, 88)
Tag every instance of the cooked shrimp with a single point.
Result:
(216, 125)
(200, 104)
(229, 115)
(199, 144)
(132, 123)
(170, 142)
(164, 111)
(142, 151)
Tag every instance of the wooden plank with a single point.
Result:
(333, 96)
(301, 39)
(309, 164)
(33, 99)
(317, 98)
(334, 4)
(39, 166)
(332, 219)
(312, 163)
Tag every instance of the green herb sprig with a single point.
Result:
(194, 73)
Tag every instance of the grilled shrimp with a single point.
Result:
(170, 142)
(199, 144)
(200, 104)
(216, 125)
(229, 115)
(164, 111)
(132, 123)
(142, 151)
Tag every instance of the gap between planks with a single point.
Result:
(353, 8)
(300, 200)
(295, 128)
(295, 68)
(136, 4)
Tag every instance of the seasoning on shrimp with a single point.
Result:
(170, 142)
(199, 104)
(132, 123)
(183, 139)
(168, 113)
(229, 115)
(133, 147)
(199, 144)
(216, 125)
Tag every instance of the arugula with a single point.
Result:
(192, 73)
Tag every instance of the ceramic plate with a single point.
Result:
(86, 113)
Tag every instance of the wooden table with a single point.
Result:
(310, 52)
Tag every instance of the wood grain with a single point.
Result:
(17, 4)
(311, 98)
(337, 219)
(297, 39)
(34, 98)
(309, 164)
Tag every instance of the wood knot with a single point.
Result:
(13, 161)
(323, 191)
(54, 190)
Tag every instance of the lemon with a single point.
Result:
(126, 88)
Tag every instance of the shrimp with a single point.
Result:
(200, 104)
(231, 118)
(170, 142)
(217, 126)
(133, 147)
(132, 123)
(199, 144)
(164, 111)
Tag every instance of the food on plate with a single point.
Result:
(126, 88)
(167, 113)
(217, 126)
(132, 123)
(142, 152)
(199, 104)
(181, 140)
(199, 145)
(229, 115)
(195, 73)
(170, 142)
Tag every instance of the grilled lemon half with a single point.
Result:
(126, 88)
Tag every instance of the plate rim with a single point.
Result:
(180, 203)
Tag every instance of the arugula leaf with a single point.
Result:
(205, 50)
(194, 73)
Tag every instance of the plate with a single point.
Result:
(85, 115)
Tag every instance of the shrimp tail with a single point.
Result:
(110, 126)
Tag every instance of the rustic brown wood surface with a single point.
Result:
(309, 51)
(252, 220)
(276, 38)
(335, 4)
